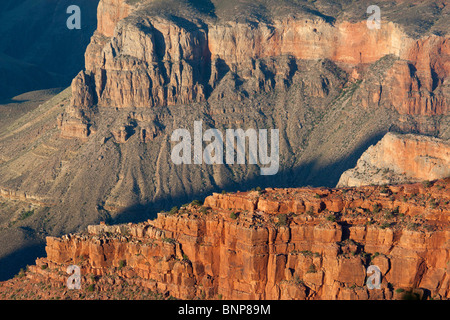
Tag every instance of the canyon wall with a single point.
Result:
(308, 243)
(400, 158)
(330, 85)
(109, 13)
(136, 59)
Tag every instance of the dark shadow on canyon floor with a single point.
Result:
(308, 174)
(11, 264)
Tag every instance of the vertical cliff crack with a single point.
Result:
(345, 226)
(421, 269)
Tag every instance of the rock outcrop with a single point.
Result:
(109, 13)
(308, 243)
(400, 158)
(415, 84)
(140, 59)
(158, 76)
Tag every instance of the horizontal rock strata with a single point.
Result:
(400, 158)
(144, 60)
(308, 243)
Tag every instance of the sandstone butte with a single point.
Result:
(138, 59)
(303, 243)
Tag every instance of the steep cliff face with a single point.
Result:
(310, 243)
(345, 42)
(400, 158)
(147, 60)
(415, 84)
(109, 13)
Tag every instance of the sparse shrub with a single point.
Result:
(174, 210)
(21, 273)
(412, 226)
(122, 263)
(426, 184)
(331, 218)
(388, 216)
(385, 225)
(297, 280)
(409, 295)
(168, 240)
(433, 204)
(384, 189)
(306, 253)
(376, 208)
(312, 268)
(196, 203)
(91, 288)
(282, 219)
(25, 214)
(366, 255)
(233, 215)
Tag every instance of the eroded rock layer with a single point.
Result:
(138, 58)
(400, 158)
(308, 243)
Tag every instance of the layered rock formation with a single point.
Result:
(102, 149)
(168, 74)
(309, 243)
(149, 60)
(400, 158)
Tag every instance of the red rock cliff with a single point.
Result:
(273, 244)
(147, 61)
